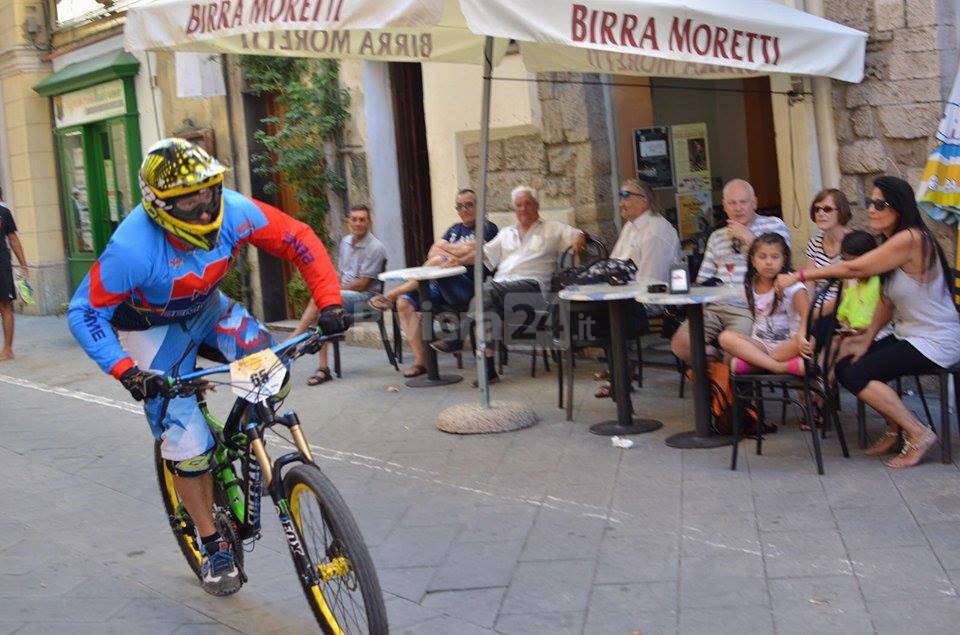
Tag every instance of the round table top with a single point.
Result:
(422, 273)
(605, 292)
(697, 295)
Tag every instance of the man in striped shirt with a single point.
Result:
(726, 258)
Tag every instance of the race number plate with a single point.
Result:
(257, 376)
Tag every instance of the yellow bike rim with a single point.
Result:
(321, 601)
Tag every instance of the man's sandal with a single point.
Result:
(912, 453)
(415, 371)
(322, 376)
(885, 444)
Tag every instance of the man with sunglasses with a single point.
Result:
(150, 304)
(725, 257)
(452, 294)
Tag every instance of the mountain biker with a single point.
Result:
(151, 301)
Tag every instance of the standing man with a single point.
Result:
(8, 293)
(525, 257)
(452, 293)
(359, 260)
(726, 258)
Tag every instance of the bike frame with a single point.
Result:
(236, 440)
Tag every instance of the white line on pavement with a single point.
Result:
(360, 460)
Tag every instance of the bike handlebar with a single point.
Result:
(189, 384)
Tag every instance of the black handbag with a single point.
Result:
(612, 271)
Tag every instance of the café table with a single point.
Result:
(423, 276)
(616, 299)
(701, 436)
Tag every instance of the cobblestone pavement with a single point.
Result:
(547, 530)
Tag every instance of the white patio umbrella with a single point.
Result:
(679, 38)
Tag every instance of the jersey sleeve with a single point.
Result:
(111, 280)
(285, 237)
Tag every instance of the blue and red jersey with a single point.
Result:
(147, 278)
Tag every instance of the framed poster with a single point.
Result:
(694, 214)
(691, 154)
(651, 153)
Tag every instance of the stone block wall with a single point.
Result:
(568, 162)
(886, 124)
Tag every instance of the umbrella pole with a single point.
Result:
(481, 225)
(483, 417)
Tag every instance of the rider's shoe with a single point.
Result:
(219, 574)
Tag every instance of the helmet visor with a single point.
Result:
(191, 207)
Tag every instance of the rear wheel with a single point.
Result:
(348, 598)
(181, 524)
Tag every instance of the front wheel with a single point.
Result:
(348, 598)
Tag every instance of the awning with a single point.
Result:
(692, 38)
(96, 70)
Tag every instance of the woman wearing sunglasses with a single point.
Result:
(917, 296)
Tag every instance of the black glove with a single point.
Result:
(334, 320)
(142, 385)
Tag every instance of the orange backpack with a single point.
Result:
(721, 402)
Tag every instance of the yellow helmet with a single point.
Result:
(179, 182)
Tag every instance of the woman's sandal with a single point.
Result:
(415, 371)
(322, 376)
(885, 444)
(603, 392)
(380, 302)
(913, 452)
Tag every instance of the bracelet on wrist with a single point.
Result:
(801, 274)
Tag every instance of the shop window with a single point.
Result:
(80, 221)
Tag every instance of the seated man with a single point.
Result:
(726, 257)
(359, 260)
(452, 293)
(525, 257)
(650, 241)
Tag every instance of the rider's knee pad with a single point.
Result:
(193, 467)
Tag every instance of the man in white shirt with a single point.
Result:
(646, 238)
(726, 258)
(525, 257)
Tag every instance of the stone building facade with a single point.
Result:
(568, 162)
(886, 124)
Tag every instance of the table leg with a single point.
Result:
(624, 423)
(433, 376)
(702, 436)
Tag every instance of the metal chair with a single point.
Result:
(813, 382)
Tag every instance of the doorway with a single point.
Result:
(413, 164)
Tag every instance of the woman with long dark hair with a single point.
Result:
(917, 296)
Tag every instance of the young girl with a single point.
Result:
(779, 322)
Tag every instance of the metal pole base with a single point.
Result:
(691, 441)
(614, 428)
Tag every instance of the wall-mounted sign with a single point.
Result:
(90, 104)
(691, 154)
(651, 152)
